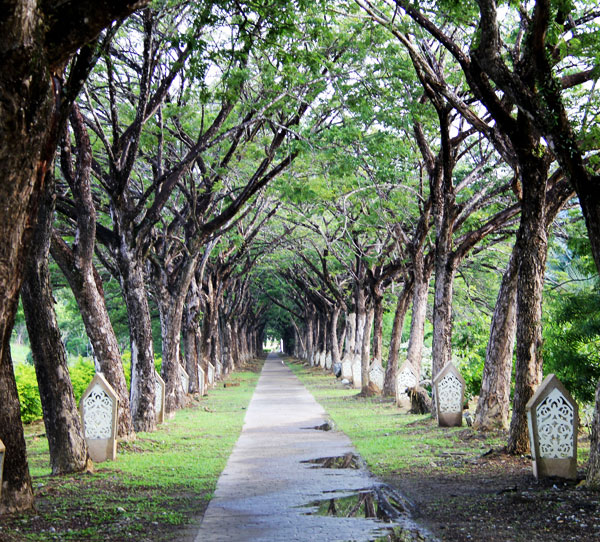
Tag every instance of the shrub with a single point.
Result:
(81, 373)
(29, 396)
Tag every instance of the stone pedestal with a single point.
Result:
(98, 409)
(159, 398)
(405, 378)
(553, 421)
(376, 376)
(449, 393)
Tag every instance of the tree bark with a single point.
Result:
(416, 338)
(32, 51)
(532, 251)
(170, 309)
(77, 266)
(366, 350)
(66, 441)
(350, 337)
(191, 336)
(378, 328)
(389, 383)
(494, 397)
(140, 330)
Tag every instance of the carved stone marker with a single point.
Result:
(2, 452)
(211, 374)
(185, 380)
(347, 369)
(201, 381)
(377, 376)
(356, 373)
(449, 393)
(553, 420)
(159, 398)
(405, 378)
(98, 408)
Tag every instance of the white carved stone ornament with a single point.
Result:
(449, 394)
(158, 392)
(406, 379)
(185, 379)
(554, 416)
(98, 412)
(377, 376)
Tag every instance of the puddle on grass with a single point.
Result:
(347, 461)
(381, 503)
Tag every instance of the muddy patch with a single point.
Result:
(380, 503)
(327, 426)
(346, 461)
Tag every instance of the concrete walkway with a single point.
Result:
(265, 492)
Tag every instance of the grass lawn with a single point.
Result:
(158, 486)
(388, 439)
(462, 483)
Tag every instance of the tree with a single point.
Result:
(36, 43)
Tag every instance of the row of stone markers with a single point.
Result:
(98, 409)
(552, 414)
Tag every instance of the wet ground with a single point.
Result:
(290, 478)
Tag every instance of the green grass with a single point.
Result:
(391, 441)
(161, 481)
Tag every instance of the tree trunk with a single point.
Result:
(77, 266)
(361, 321)
(389, 383)
(350, 337)
(494, 397)
(170, 309)
(442, 314)
(416, 338)
(309, 336)
(334, 346)
(142, 349)
(66, 441)
(366, 350)
(378, 329)
(86, 285)
(191, 336)
(532, 251)
(26, 149)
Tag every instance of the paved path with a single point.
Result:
(265, 492)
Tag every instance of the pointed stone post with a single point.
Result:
(211, 375)
(201, 381)
(2, 452)
(347, 370)
(98, 410)
(553, 421)
(159, 398)
(356, 373)
(406, 377)
(376, 377)
(185, 380)
(449, 393)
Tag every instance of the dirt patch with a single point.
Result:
(499, 500)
